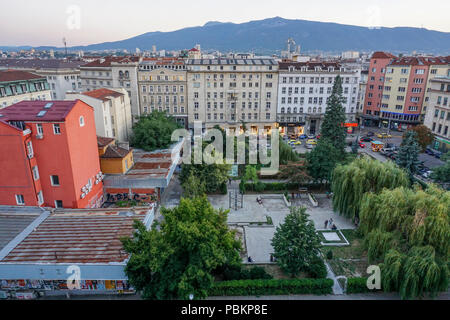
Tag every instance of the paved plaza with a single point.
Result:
(253, 218)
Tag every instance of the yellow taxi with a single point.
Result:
(297, 143)
(384, 136)
(311, 141)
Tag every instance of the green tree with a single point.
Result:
(193, 187)
(287, 154)
(213, 176)
(179, 258)
(424, 136)
(351, 181)
(408, 155)
(296, 243)
(442, 173)
(332, 126)
(295, 172)
(322, 160)
(154, 131)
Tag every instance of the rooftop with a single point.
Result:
(12, 224)
(103, 94)
(115, 152)
(84, 236)
(383, 55)
(310, 65)
(103, 142)
(37, 111)
(108, 61)
(39, 64)
(420, 61)
(222, 61)
(17, 75)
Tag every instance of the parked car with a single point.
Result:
(303, 136)
(370, 134)
(311, 136)
(311, 141)
(362, 145)
(366, 139)
(437, 154)
(384, 136)
(318, 137)
(297, 143)
(429, 151)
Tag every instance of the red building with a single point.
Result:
(375, 86)
(49, 155)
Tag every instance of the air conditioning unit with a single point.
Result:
(39, 136)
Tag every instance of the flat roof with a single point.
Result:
(12, 224)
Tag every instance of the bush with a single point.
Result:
(271, 287)
(318, 270)
(259, 187)
(224, 188)
(330, 255)
(357, 285)
(237, 273)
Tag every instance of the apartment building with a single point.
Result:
(112, 110)
(361, 95)
(62, 75)
(113, 73)
(438, 113)
(16, 86)
(49, 155)
(303, 91)
(163, 87)
(230, 92)
(402, 99)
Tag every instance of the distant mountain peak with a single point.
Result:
(212, 23)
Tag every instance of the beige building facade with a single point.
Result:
(231, 92)
(162, 86)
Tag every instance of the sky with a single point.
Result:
(83, 22)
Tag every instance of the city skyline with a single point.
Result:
(84, 23)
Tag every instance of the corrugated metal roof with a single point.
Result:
(89, 237)
(13, 224)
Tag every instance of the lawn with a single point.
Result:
(275, 271)
(350, 261)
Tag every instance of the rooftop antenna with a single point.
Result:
(65, 45)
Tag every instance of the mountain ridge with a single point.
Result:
(269, 35)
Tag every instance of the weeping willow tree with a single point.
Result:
(416, 274)
(350, 182)
(410, 230)
(423, 216)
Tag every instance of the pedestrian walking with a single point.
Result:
(250, 260)
(326, 224)
(330, 223)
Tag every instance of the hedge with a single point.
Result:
(280, 186)
(272, 287)
(357, 285)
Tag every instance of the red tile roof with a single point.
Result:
(107, 61)
(416, 61)
(16, 75)
(383, 55)
(92, 237)
(29, 110)
(114, 152)
(103, 94)
(103, 142)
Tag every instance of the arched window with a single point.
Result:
(121, 74)
(309, 110)
(283, 110)
(289, 110)
(127, 74)
(315, 110)
(301, 110)
(295, 110)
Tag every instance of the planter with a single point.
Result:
(313, 200)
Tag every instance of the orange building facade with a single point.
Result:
(49, 155)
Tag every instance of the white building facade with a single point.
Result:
(303, 90)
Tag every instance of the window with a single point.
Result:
(20, 200)
(58, 204)
(30, 149)
(35, 173)
(81, 121)
(40, 198)
(55, 181)
(56, 129)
